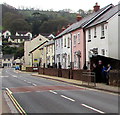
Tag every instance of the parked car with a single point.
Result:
(17, 68)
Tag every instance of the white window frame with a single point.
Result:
(78, 38)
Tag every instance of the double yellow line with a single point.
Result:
(17, 105)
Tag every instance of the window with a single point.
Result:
(8, 59)
(68, 59)
(47, 50)
(89, 35)
(75, 60)
(75, 39)
(95, 32)
(56, 44)
(78, 38)
(64, 42)
(102, 31)
(61, 42)
(4, 59)
(68, 42)
(103, 51)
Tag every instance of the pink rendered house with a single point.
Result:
(78, 49)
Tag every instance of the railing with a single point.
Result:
(88, 77)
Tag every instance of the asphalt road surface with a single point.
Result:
(39, 95)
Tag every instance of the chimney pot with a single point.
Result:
(79, 17)
(63, 28)
(96, 7)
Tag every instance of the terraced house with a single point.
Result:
(102, 35)
(74, 36)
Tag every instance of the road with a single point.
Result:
(39, 95)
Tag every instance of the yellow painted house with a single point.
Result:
(32, 52)
(47, 54)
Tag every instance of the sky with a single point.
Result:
(56, 5)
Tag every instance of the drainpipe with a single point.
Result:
(71, 51)
(84, 48)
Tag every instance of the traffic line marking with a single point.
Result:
(15, 102)
(67, 98)
(28, 82)
(92, 108)
(34, 84)
(53, 92)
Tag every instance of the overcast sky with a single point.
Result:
(74, 5)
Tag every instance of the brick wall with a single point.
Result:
(65, 73)
(114, 78)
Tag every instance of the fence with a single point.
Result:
(114, 78)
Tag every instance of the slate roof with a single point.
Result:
(22, 32)
(7, 56)
(49, 43)
(84, 21)
(106, 16)
(19, 37)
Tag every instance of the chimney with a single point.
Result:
(78, 17)
(96, 7)
(63, 28)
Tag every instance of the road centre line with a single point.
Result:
(34, 84)
(53, 92)
(92, 108)
(68, 98)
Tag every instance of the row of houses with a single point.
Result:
(94, 35)
(19, 37)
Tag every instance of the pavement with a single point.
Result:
(99, 86)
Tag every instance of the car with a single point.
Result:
(17, 68)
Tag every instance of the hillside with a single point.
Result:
(37, 21)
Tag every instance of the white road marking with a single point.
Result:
(92, 108)
(34, 84)
(67, 98)
(14, 76)
(53, 92)
(28, 82)
(4, 76)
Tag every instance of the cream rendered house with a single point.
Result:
(29, 48)
(50, 54)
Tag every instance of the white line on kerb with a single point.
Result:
(67, 98)
(53, 92)
(93, 108)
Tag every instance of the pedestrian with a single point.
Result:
(108, 72)
(104, 73)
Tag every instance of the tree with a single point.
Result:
(19, 25)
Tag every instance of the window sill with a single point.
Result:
(102, 37)
(89, 40)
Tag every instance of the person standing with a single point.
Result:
(108, 72)
(99, 72)
(104, 73)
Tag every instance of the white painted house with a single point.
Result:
(63, 51)
(24, 33)
(6, 34)
(102, 36)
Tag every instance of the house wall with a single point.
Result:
(113, 37)
(62, 51)
(79, 47)
(97, 42)
(6, 33)
(29, 46)
(50, 54)
(8, 62)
